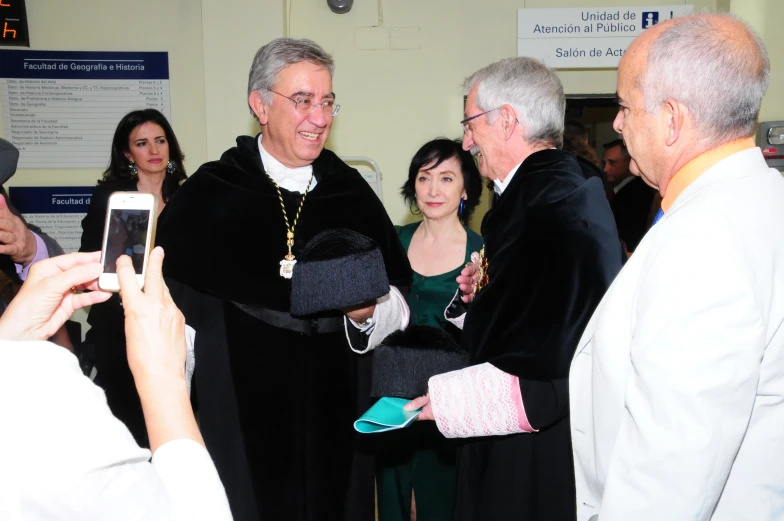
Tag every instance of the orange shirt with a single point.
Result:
(699, 165)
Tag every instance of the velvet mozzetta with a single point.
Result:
(631, 206)
(233, 249)
(552, 251)
(276, 406)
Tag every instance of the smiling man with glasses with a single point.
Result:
(278, 394)
(551, 251)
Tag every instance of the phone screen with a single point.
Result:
(127, 235)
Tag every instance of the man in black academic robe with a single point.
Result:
(551, 250)
(630, 197)
(277, 395)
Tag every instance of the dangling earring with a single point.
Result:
(411, 207)
(132, 167)
(170, 167)
(460, 208)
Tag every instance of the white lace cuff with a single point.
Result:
(391, 314)
(480, 400)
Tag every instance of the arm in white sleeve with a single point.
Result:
(391, 314)
(191, 481)
(65, 456)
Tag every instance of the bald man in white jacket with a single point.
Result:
(677, 385)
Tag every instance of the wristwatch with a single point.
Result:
(367, 323)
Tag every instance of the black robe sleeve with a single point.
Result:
(552, 250)
(571, 290)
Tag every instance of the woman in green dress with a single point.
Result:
(416, 466)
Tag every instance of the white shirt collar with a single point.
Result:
(292, 179)
(500, 186)
(617, 188)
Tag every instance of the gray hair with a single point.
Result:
(279, 54)
(531, 88)
(719, 78)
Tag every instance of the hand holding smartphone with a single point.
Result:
(129, 230)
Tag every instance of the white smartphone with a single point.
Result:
(129, 230)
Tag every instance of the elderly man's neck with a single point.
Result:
(685, 155)
(516, 155)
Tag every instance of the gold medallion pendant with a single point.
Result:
(287, 267)
(481, 274)
(288, 262)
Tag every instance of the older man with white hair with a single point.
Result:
(551, 251)
(677, 386)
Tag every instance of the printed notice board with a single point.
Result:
(57, 210)
(61, 108)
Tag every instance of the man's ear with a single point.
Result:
(674, 114)
(257, 105)
(508, 120)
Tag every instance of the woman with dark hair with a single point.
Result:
(416, 466)
(575, 140)
(146, 157)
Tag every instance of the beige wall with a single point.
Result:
(767, 18)
(174, 26)
(233, 32)
(395, 100)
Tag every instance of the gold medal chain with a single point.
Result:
(290, 229)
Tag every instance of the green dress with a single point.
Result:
(419, 458)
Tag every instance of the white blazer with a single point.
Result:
(677, 385)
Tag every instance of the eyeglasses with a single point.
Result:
(466, 128)
(307, 106)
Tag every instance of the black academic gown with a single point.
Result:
(631, 207)
(276, 406)
(552, 251)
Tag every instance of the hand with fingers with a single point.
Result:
(155, 338)
(466, 281)
(423, 402)
(51, 294)
(154, 326)
(16, 240)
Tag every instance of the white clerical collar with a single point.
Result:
(617, 188)
(500, 186)
(292, 179)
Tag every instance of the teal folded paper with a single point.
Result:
(386, 415)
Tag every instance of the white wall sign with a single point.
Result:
(586, 38)
(60, 108)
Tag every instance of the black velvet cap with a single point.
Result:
(405, 361)
(337, 268)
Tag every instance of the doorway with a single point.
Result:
(597, 113)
